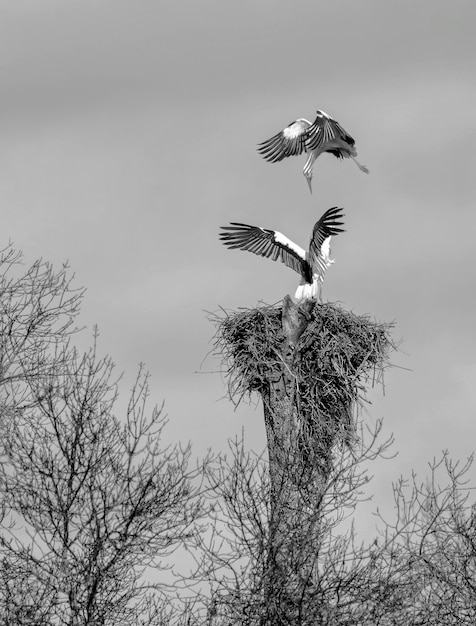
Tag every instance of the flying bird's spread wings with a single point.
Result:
(328, 225)
(289, 142)
(323, 135)
(267, 243)
(325, 130)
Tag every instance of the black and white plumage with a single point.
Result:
(323, 135)
(311, 265)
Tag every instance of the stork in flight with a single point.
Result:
(323, 135)
(311, 265)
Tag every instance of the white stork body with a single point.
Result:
(313, 291)
(311, 265)
(323, 135)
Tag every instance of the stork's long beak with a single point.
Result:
(309, 182)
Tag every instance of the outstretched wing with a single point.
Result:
(267, 243)
(289, 142)
(325, 130)
(328, 225)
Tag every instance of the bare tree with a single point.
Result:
(428, 553)
(93, 505)
(38, 311)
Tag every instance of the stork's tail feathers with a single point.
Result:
(309, 291)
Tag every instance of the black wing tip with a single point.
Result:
(235, 225)
(335, 210)
(331, 220)
(234, 236)
(228, 234)
(269, 153)
(269, 141)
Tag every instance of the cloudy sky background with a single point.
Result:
(128, 136)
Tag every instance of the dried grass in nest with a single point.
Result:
(338, 352)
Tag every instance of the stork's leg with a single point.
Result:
(307, 170)
(362, 168)
(319, 293)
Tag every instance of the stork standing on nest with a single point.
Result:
(311, 265)
(323, 135)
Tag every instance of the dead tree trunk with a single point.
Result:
(298, 473)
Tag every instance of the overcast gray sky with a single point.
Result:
(128, 136)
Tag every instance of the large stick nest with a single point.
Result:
(337, 353)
